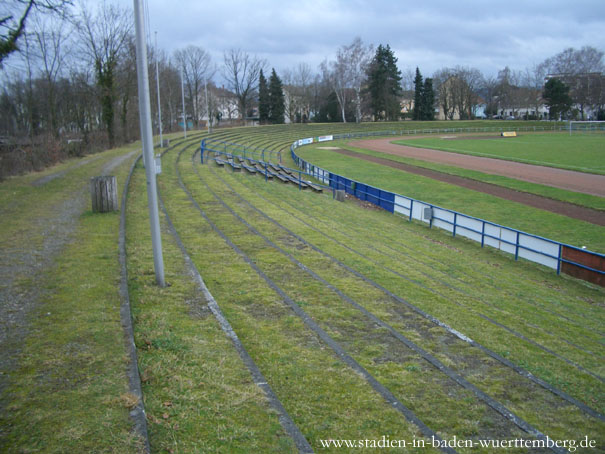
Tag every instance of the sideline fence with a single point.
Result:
(561, 257)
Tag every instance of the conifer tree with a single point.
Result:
(556, 95)
(384, 84)
(418, 112)
(428, 100)
(276, 100)
(263, 99)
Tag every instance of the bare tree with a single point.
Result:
(126, 89)
(241, 71)
(13, 17)
(80, 98)
(50, 41)
(443, 80)
(457, 90)
(297, 87)
(104, 38)
(357, 58)
(511, 96)
(304, 79)
(489, 93)
(195, 63)
(336, 76)
(466, 90)
(573, 61)
(347, 74)
(534, 81)
(582, 70)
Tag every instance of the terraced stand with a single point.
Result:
(364, 325)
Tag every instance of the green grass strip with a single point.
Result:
(578, 152)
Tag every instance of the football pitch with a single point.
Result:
(580, 152)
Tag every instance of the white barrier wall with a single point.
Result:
(544, 247)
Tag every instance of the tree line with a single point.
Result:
(68, 77)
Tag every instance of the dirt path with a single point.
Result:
(565, 179)
(27, 263)
(536, 201)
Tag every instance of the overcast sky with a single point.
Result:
(484, 34)
(430, 34)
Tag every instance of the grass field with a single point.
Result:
(345, 310)
(581, 152)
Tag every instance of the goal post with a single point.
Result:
(586, 127)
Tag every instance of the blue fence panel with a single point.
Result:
(373, 195)
(344, 184)
(387, 201)
(361, 190)
(333, 181)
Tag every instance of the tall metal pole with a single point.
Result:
(147, 138)
(157, 80)
(207, 105)
(183, 96)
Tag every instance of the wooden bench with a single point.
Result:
(261, 170)
(279, 176)
(294, 180)
(236, 167)
(315, 187)
(248, 168)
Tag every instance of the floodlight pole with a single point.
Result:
(147, 138)
(183, 97)
(207, 106)
(157, 80)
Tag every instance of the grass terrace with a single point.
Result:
(358, 320)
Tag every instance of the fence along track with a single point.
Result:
(338, 350)
(493, 287)
(258, 378)
(434, 320)
(486, 399)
